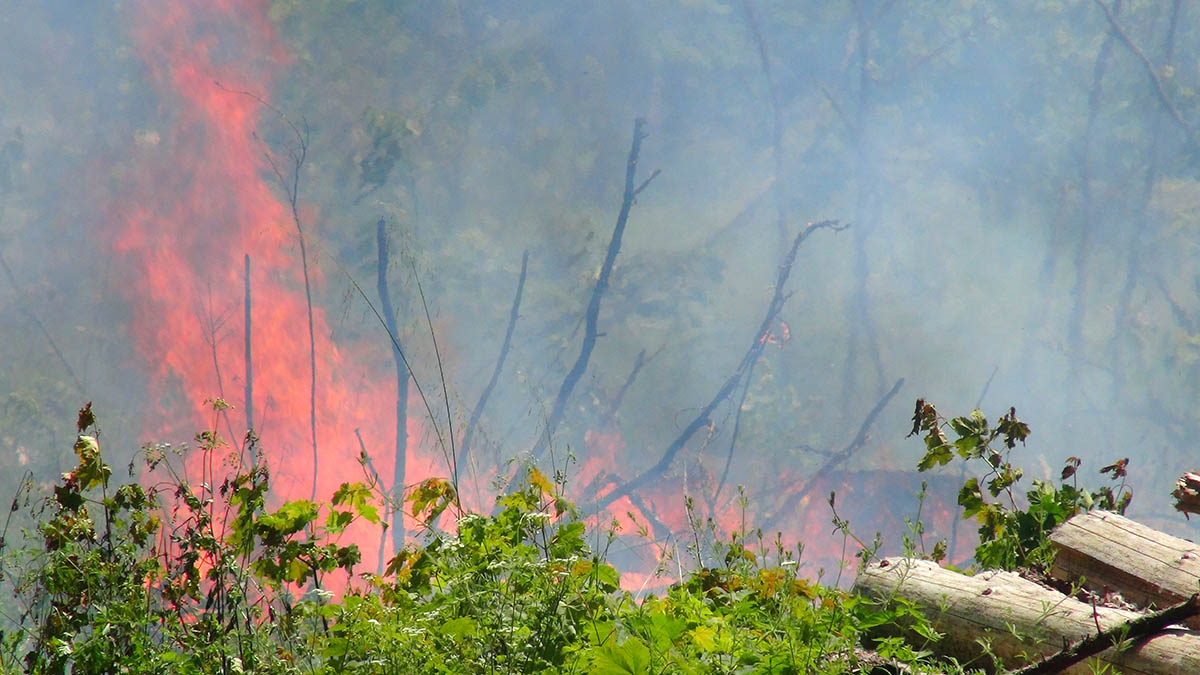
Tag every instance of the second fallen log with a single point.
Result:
(1106, 552)
(1019, 620)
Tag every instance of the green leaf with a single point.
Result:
(337, 521)
(290, 518)
(461, 627)
(630, 658)
(335, 647)
(966, 446)
(705, 638)
(608, 576)
(971, 498)
(91, 472)
(936, 456)
(68, 497)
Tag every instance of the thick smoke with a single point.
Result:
(1018, 182)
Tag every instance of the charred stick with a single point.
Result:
(1132, 631)
(593, 310)
(660, 529)
(464, 449)
(638, 363)
(756, 347)
(737, 426)
(399, 467)
(860, 439)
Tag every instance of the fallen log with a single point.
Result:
(1020, 621)
(1105, 553)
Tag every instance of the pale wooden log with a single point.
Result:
(1021, 620)
(1106, 552)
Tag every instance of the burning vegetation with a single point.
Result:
(567, 479)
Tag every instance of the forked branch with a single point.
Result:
(703, 419)
(591, 318)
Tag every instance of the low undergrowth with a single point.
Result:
(178, 577)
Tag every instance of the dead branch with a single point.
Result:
(1133, 259)
(1132, 631)
(292, 191)
(593, 310)
(756, 347)
(737, 426)
(400, 464)
(859, 440)
(1187, 494)
(465, 449)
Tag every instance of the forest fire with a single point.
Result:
(202, 200)
(210, 220)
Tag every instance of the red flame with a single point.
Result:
(203, 195)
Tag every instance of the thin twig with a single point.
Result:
(387, 503)
(756, 346)
(859, 440)
(350, 277)
(449, 454)
(737, 426)
(464, 449)
(249, 401)
(292, 191)
(213, 324)
(638, 363)
(592, 316)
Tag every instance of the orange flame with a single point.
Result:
(202, 196)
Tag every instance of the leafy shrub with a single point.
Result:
(1011, 536)
(212, 577)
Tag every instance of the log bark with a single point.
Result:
(1020, 620)
(1106, 552)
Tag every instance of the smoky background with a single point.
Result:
(1019, 180)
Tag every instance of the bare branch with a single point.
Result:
(756, 347)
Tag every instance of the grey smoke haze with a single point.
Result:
(1022, 202)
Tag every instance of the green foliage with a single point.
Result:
(177, 578)
(1012, 533)
(205, 579)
